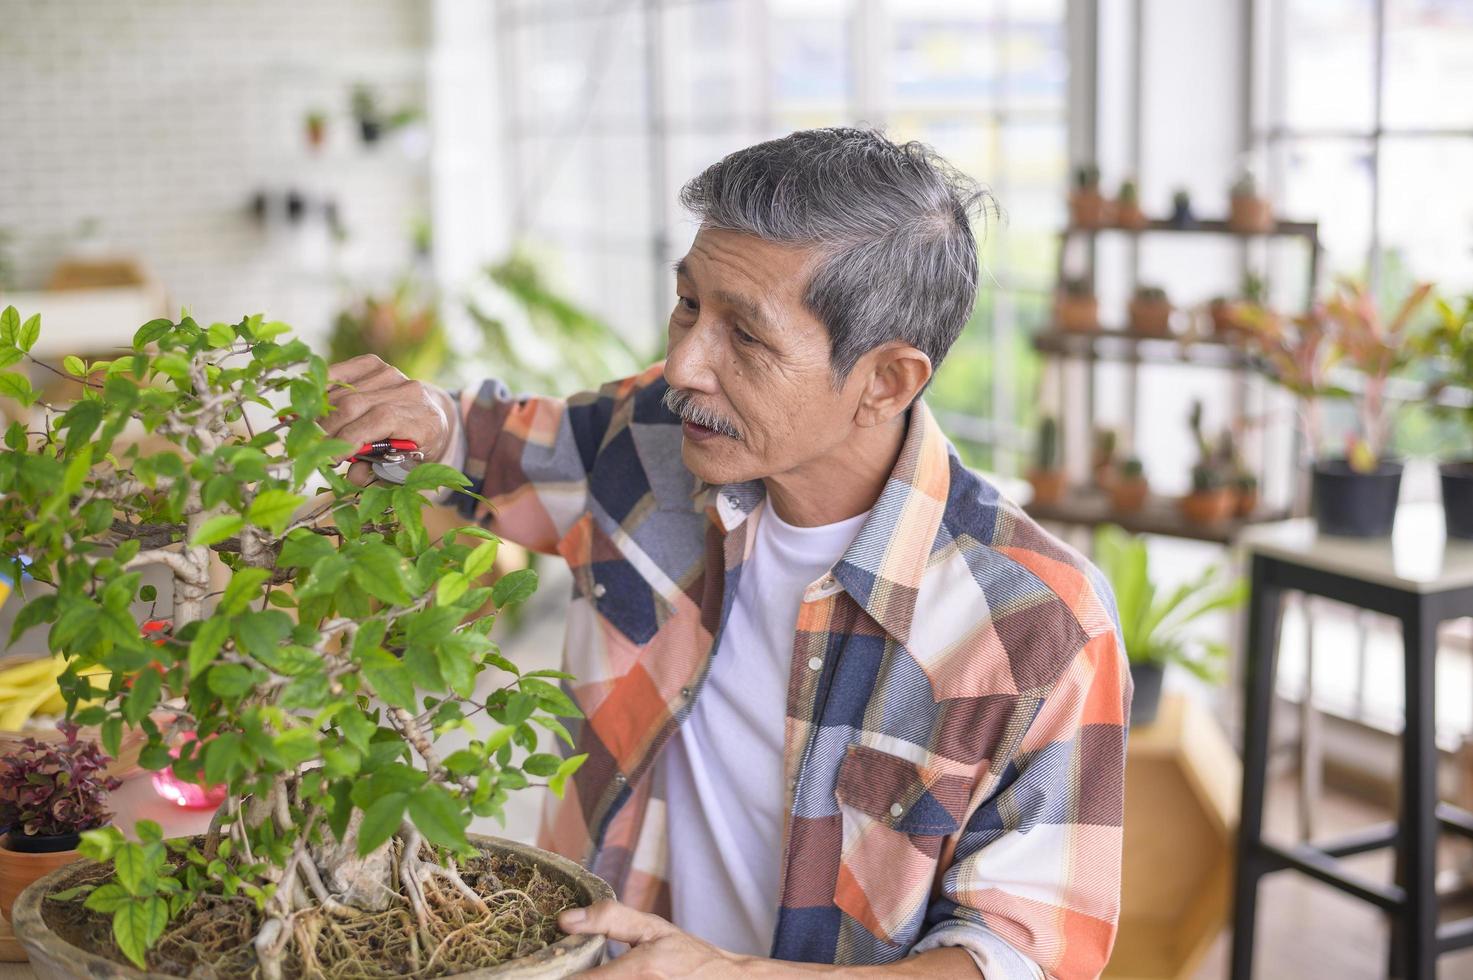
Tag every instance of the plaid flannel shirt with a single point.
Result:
(955, 737)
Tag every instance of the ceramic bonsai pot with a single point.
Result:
(53, 958)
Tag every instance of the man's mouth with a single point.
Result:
(698, 433)
(697, 422)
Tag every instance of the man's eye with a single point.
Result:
(743, 337)
(688, 304)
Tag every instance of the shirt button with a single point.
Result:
(896, 809)
(619, 778)
(815, 663)
(599, 590)
(685, 694)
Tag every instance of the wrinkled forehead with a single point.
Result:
(749, 274)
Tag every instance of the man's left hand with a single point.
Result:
(657, 947)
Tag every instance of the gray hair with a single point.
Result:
(891, 222)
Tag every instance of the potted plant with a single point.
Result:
(1248, 213)
(1245, 493)
(316, 129)
(1075, 307)
(364, 106)
(344, 641)
(1210, 500)
(1130, 490)
(1128, 213)
(1181, 210)
(1150, 312)
(50, 792)
(1088, 208)
(1154, 624)
(1102, 456)
(1046, 476)
(1225, 312)
(1450, 343)
(1356, 495)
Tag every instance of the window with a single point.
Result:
(617, 104)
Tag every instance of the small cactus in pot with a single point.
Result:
(1075, 307)
(1046, 476)
(1129, 490)
(1088, 208)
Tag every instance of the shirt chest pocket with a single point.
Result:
(895, 815)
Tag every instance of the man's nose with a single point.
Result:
(690, 361)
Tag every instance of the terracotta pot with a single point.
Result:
(1250, 215)
(1078, 314)
(19, 868)
(1048, 486)
(1223, 315)
(53, 958)
(1130, 216)
(1208, 506)
(1129, 496)
(1245, 502)
(1150, 316)
(1088, 209)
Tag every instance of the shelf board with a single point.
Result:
(1208, 226)
(1160, 515)
(1107, 344)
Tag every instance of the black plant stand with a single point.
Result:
(1420, 580)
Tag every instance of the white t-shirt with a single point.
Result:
(723, 770)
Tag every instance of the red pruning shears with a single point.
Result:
(392, 459)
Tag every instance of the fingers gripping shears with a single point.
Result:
(391, 459)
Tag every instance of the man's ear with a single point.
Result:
(895, 375)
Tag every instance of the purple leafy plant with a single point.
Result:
(53, 788)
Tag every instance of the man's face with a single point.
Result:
(751, 362)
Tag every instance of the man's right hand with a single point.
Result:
(383, 404)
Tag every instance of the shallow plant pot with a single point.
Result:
(1352, 504)
(1146, 700)
(53, 958)
(1129, 496)
(1080, 314)
(1150, 317)
(1250, 215)
(1208, 506)
(1089, 209)
(1048, 486)
(1457, 498)
(24, 860)
(1130, 216)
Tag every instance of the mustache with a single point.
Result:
(683, 403)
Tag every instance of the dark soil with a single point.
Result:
(211, 940)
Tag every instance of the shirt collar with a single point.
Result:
(883, 568)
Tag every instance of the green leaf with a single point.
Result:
(9, 356)
(380, 821)
(217, 529)
(327, 574)
(273, 509)
(480, 560)
(35, 611)
(16, 386)
(560, 778)
(296, 746)
(550, 697)
(452, 586)
(304, 547)
(206, 644)
(151, 331)
(514, 587)
(143, 695)
(380, 570)
(542, 764)
(427, 476)
(107, 899)
(389, 679)
(245, 586)
(230, 680)
(138, 925)
(112, 735)
(439, 815)
(9, 325)
(134, 869)
(74, 366)
(221, 757)
(29, 333)
(220, 335)
(259, 633)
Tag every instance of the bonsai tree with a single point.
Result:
(315, 674)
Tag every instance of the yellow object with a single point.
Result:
(28, 688)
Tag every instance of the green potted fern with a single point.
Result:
(1154, 623)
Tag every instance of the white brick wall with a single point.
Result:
(160, 118)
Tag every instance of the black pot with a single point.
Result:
(1147, 698)
(370, 130)
(1457, 498)
(41, 844)
(1354, 504)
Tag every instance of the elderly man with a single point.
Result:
(845, 704)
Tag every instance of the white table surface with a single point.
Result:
(1418, 557)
